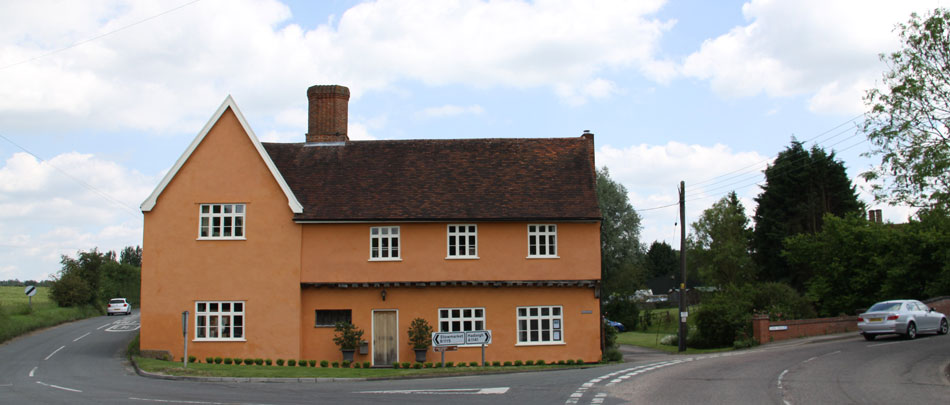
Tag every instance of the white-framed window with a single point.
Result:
(384, 243)
(219, 320)
(540, 325)
(542, 240)
(221, 221)
(461, 319)
(463, 241)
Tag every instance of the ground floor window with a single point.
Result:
(461, 319)
(330, 317)
(540, 324)
(219, 320)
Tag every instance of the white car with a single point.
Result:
(903, 317)
(119, 306)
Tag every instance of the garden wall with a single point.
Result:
(765, 331)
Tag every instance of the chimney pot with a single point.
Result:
(327, 113)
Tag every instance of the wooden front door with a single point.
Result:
(384, 338)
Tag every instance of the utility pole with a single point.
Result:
(683, 313)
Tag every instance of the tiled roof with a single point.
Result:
(458, 179)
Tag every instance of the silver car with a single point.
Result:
(903, 317)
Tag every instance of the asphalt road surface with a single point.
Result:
(82, 363)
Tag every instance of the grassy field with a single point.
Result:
(17, 318)
(243, 371)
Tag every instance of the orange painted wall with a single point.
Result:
(581, 330)
(263, 270)
(340, 253)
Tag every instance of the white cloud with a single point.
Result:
(652, 174)
(828, 50)
(450, 110)
(163, 74)
(72, 202)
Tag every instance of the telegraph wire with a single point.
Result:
(134, 213)
(53, 52)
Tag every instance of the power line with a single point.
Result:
(97, 37)
(101, 193)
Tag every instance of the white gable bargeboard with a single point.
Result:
(295, 205)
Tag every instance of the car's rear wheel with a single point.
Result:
(943, 327)
(868, 336)
(911, 331)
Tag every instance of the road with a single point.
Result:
(82, 363)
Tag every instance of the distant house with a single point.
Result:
(267, 245)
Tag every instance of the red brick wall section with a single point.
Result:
(820, 326)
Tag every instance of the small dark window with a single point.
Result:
(330, 317)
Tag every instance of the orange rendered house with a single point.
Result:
(267, 245)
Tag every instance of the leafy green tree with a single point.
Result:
(801, 186)
(620, 252)
(131, 256)
(909, 119)
(724, 235)
(661, 260)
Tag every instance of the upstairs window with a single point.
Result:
(384, 243)
(221, 221)
(463, 242)
(542, 240)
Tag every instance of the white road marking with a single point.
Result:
(103, 326)
(888, 343)
(77, 339)
(124, 325)
(6, 385)
(54, 352)
(176, 401)
(58, 387)
(33, 371)
(461, 391)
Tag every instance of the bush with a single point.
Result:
(258, 361)
(496, 363)
(428, 364)
(560, 362)
(461, 364)
(473, 363)
(570, 362)
(209, 360)
(539, 362)
(449, 364)
(357, 364)
(579, 361)
(218, 360)
(406, 364)
(507, 364)
(313, 363)
(437, 365)
(335, 364)
(417, 366)
(621, 308)
(291, 363)
(280, 362)
(345, 364)
(324, 363)
(518, 363)
(192, 359)
(613, 354)
(248, 362)
(395, 365)
(302, 363)
(366, 364)
(268, 362)
(227, 360)
(529, 362)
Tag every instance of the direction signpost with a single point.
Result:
(449, 341)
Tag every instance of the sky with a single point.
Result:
(98, 99)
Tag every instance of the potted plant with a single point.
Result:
(348, 338)
(420, 337)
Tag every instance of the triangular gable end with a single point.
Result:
(295, 205)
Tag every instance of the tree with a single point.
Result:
(909, 120)
(619, 237)
(724, 235)
(800, 187)
(661, 260)
(131, 256)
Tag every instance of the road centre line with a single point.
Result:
(175, 401)
(54, 352)
(76, 339)
(33, 370)
(462, 391)
(58, 387)
(888, 343)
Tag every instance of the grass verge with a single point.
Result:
(17, 317)
(244, 371)
(651, 341)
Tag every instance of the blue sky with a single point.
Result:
(108, 94)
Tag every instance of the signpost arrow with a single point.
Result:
(448, 338)
(478, 337)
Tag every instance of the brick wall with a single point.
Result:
(820, 326)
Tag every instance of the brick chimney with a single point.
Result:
(327, 114)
